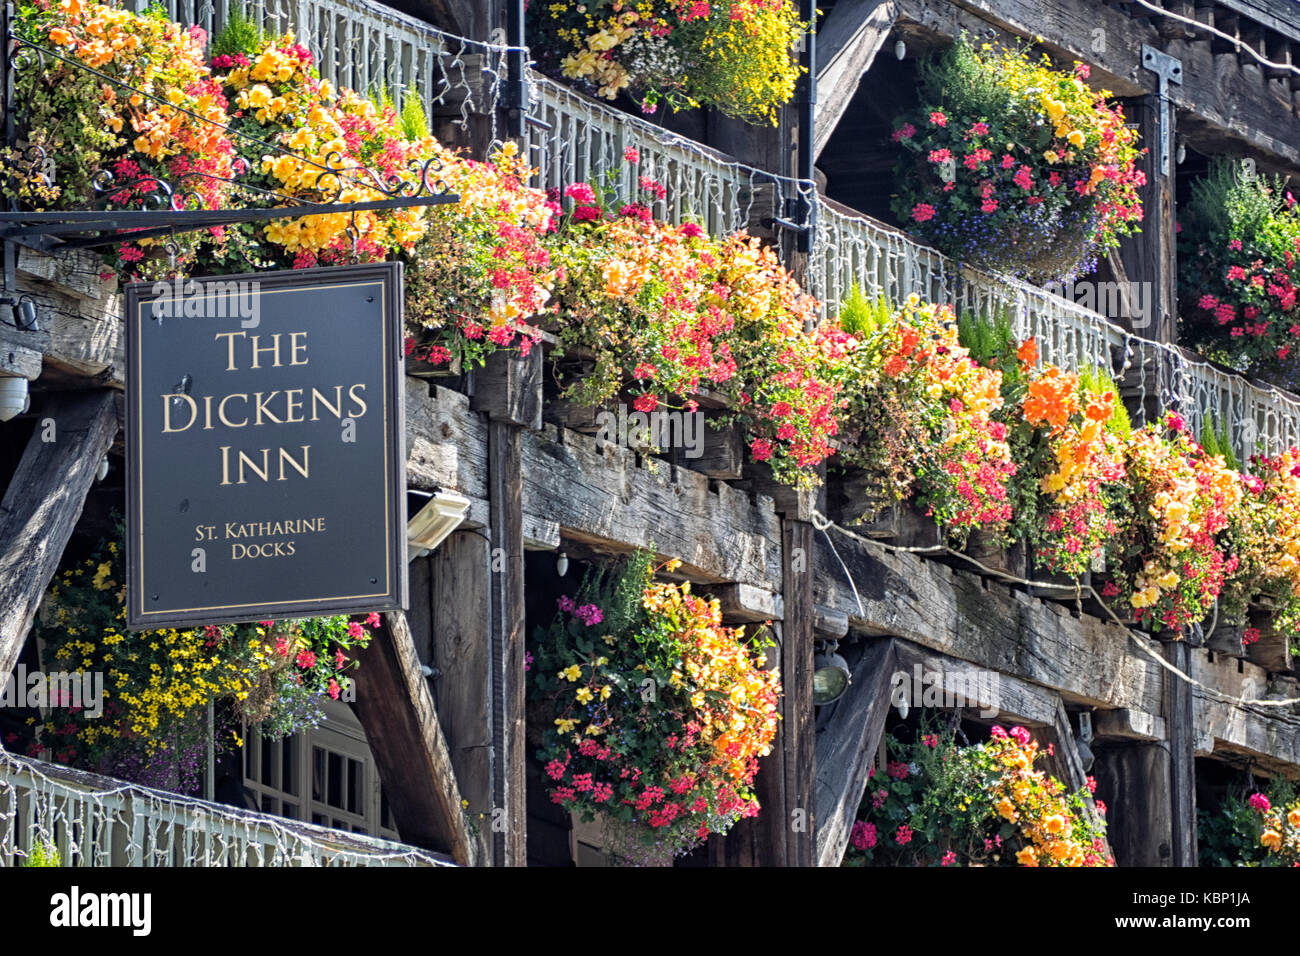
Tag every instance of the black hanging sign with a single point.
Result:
(266, 472)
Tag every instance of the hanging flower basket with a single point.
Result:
(1016, 166)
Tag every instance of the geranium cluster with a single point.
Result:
(158, 684)
(1252, 827)
(671, 311)
(1264, 536)
(1174, 551)
(921, 415)
(654, 713)
(304, 140)
(941, 804)
(1078, 465)
(154, 114)
(1238, 274)
(732, 55)
(1015, 166)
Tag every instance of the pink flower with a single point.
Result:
(372, 619)
(355, 630)
(1092, 784)
(1236, 272)
(1260, 802)
(1176, 422)
(645, 403)
(589, 614)
(586, 213)
(980, 129)
(896, 769)
(938, 118)
(306, 660)
(931, 740)
(334, 688)
(1235, 245)
(904, 835)
(1021, 735)
(632, 155)
(940, 155)
(1249, 636)
(761, 449)
(989, 206)
(906, 131)
(691, 230)
(922, 212)
(863, 835)
(949, 859)
(998, 733)
(581, 192)
(1207, 301)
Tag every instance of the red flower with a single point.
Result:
(646, 403)
(938, 118)
(922, 212)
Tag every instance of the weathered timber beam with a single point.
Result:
(988, 624)
(978, 688)
(79, 313)
(1180, 722)
(596, 493)
(847, 747)
(402, 729)
(847, 43)
(460, 572)
(797, 730)
(1233, 101)
(20, 352)
(43, 503)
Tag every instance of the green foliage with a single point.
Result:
(1214, 439)
(1235, 201)
(43, 854)
(1229, 835)
(239, 35)
(1095, 381)
(863, 317)
(413, 120)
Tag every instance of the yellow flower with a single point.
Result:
(564, 724)
(1005, 808)
(1027, 857)
(1075, 138)
(1054, 824)
(1293, 817)
(584, 695)
(571, 673)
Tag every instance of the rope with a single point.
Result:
(823, 523)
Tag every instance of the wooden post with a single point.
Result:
(1134, 780)
(847, 747)
(1149, 256)
(1180, 721)
(43, 503)
(462, 655)
(796, 736)
(509, 390)
(396, 710)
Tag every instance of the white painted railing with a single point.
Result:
(91, 820)
(572, 138)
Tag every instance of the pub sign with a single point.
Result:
(266, 473)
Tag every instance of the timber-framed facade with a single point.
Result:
(440, 692)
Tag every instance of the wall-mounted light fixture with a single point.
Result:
(430, 526)
(900, 49)
(831, 675)
(14, 399)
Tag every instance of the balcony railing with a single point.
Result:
(98, 821)
(571, 137)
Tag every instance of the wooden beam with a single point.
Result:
(20, 352)
(1133, 779)
(506, 604)
(847, 43)
(396, 710)
(43, 503)
(461, 643)
(1148, 257)
(796, 736)
(846, 748)
(1180, 722)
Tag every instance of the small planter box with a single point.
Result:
(1057, 587)
(1226, 639)
(1011, 560)
(796, 503)
(1273, 649)
(855, 506)
(721, 453)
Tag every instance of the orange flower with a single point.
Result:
(1027, 857)
(1271, 839)
(61, 37)
(1028, 352)
(1054, 824)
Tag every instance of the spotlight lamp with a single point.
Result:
(831, 675)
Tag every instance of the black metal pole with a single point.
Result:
(807, 128)
(516, 63)
(7, 90)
